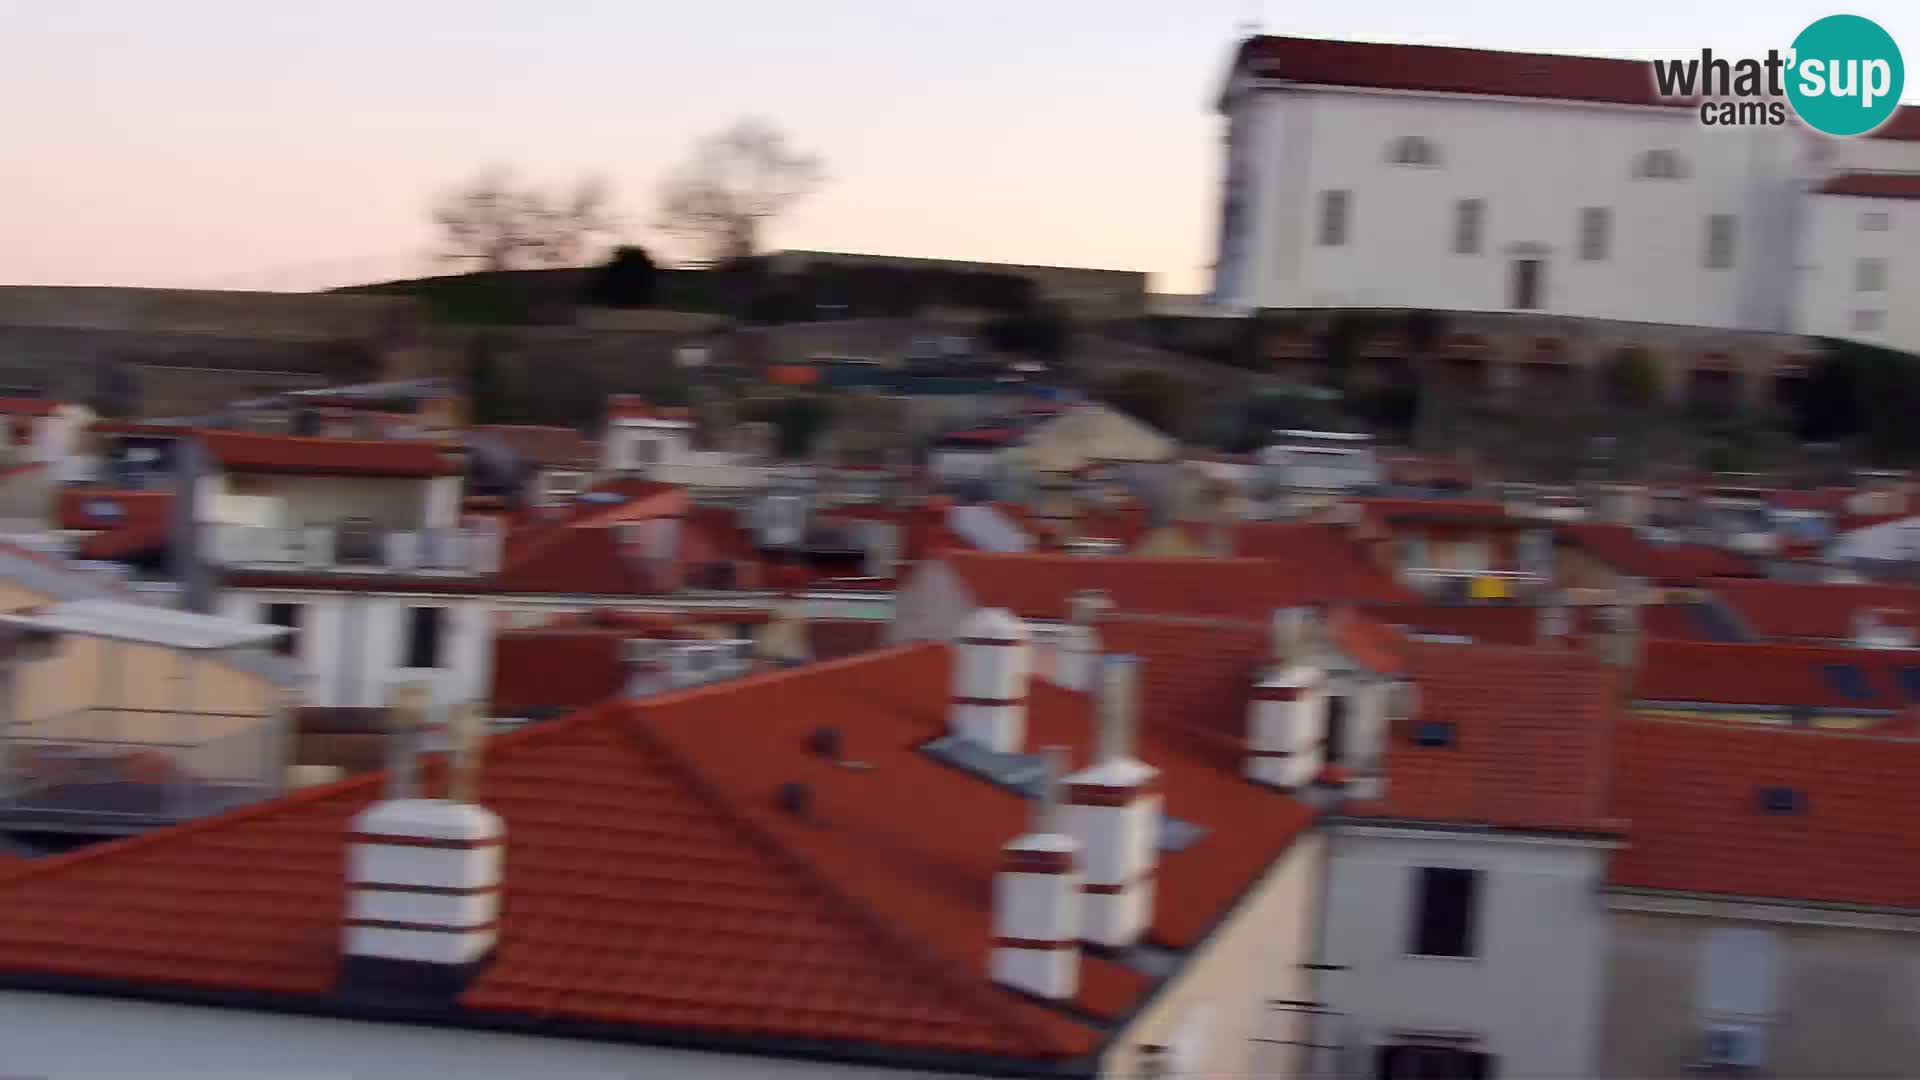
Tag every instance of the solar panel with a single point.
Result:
(1782, 800)
(1848, 681)
(1908, 676)
(1023, 774)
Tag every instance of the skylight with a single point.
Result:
(1022, 774)
(1433, 733)
(1908, 676)
(1848, 681)
(1783, 800)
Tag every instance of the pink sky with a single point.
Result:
(212, 143)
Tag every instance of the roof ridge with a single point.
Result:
(929, 962)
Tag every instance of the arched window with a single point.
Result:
(1659, 165)
(1413, 150)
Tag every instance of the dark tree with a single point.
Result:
(628, 279)
(737, 182)
(494, 223)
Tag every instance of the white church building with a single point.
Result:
(1363, 175)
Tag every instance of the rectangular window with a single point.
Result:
(1875, 221)
(1335, 206)
(423, 637)
(1444, 901)
(1736, 977)
(1870, 275)
(1525, 285)
(1869, 320)
(1596, 228)
(1719, 254)
(645, 451)
(1469, 216)
(287, 615)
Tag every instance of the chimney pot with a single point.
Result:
(1037, 900)
(1119, 704)
(992, 662)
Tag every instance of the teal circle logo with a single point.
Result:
(1846, 76)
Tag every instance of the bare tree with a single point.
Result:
(494, 222)
(736, 182)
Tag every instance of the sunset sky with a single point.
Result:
(291, 145)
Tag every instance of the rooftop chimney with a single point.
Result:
(1553, 621)
(1036, 900)
(424, 877)
(1287, 726)
(1113, 811)
(992, 660)
(1077, 649)
(1293, 633)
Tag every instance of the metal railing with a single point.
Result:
(120, 770)
(348, 549)
(1458, 586)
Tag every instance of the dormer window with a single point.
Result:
(1659, 165)
(1413, 150)
(1783, 800)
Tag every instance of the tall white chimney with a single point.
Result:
(1287, 727)
(1076, 654)
(1036, 900)
(424, 879)
(1113, 811)
(992, 660)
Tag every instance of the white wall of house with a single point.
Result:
(1898, 539)
(1828, 992)
(395, 502)
(55, 1037)
(1862, 263)
(353, 645)
(1531, 990)
(1536, 165)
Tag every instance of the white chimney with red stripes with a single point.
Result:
(1113, 810)
(992, 661)
(424, 874)
(1287, 726)
(1036, 900)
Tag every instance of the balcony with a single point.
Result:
(355, 549)
(115, 770)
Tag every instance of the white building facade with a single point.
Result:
(1409, 177)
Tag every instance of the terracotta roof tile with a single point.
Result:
(19, 406)
(1531, 740)
(1787, 675)
(1692, 792)
(552, 447)
(1781, 609)
(651, 882)
(1319, 566)
(1622, 548)
(831, 639)
(243, 451)
(1873, 185)
(1450, 70)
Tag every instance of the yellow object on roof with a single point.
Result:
(1489, 588)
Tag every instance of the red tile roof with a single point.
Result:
(1323, 569)
(552, 447)
(1443, 69)
(1741, 673)
(17, 406)
(1450, 70)
(831, 639)
(1369, 639)
(1812, 610)
(144, 521)
(1692, 792)
(1874, 185)
(652, 883)
(242, 451)
(587, 560)
(553, 670)
(1385, 511)
(1620, 547)
(1532, 731)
